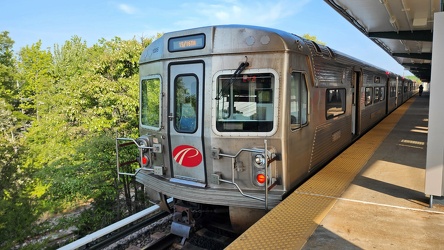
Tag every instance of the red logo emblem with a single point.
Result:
(187, 156)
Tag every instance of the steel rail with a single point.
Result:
(111, 228)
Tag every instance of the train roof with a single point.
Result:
(236, 39)
(241, 39)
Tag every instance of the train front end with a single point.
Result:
(209, 120)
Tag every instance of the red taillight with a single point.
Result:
(260, 178)
(145, 160)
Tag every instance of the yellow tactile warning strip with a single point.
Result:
(293, 221)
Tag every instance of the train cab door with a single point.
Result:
(185, 114)
(355, 110)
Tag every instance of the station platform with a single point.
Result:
(369, 197)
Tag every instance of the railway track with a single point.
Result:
(154, 233)
(122, 238)
(204, 238)
(213, 233)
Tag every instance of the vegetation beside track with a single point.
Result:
(61, 109)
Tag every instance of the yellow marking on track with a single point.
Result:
(293, 221)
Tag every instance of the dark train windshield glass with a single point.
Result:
(245, 103)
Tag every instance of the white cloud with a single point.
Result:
(267, 13)
(127, 8)
(262, 13)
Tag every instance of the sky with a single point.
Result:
(55, 22)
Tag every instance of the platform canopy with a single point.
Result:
(403, 28)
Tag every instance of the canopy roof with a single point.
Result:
(403, 28)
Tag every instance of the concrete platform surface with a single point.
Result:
(385, 206)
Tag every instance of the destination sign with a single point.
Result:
(186, 43)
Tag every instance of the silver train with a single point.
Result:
(238, 116)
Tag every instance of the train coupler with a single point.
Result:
(181, 230)
(183, 221)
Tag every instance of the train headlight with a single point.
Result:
(259, 161)
(143, 141)
(143, 144)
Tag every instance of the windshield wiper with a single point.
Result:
(236, 73)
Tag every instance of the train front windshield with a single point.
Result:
(245, 103)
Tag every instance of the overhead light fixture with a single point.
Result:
(420, 22)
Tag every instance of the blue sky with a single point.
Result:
(54, 22)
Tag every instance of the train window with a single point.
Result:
(298, 101)
(382, 93)
(368, 95)
(335, 103)
(392, 91)
(377, 79)
(245, 103)
(376, 96)
(185, 103)
(150, 102)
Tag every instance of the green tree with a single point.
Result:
(35, 76)
(414, 78)
(313, 38)
(64, 110)
(7, 69)
(16, 212)
(94, 96)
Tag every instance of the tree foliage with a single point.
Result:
(16, 213)
(414, 78)
(60, 112)
(313, 38)
(7, 69)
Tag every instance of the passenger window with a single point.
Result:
(376, 95)
(381, 93)
(150, 102)
(392, 91)
(298, 101)
(185, 103)
(335, 103)
(368, 96)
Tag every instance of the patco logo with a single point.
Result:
(187, 156)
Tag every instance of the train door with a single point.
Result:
(185, 109)
(355, 89)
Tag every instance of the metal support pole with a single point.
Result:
(431, 201)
